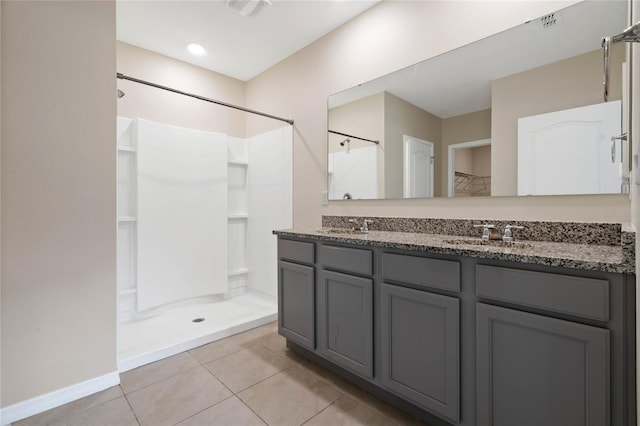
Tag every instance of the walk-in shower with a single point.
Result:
(196, 210)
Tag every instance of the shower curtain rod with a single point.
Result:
(354, 137)
(202, 98)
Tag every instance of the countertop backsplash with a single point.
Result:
(604, 234)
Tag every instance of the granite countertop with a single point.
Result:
(608, 258)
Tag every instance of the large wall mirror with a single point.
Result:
(517, 113)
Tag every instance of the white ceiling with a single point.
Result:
(237, 46)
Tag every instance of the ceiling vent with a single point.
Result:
(549, 20)
(249, 8)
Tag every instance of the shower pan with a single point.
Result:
(195, 243)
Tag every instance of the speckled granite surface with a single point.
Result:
(606, 234)
(589, 256)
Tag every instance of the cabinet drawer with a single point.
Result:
(347, 259)
(578, 296)
(422, 271)
(298, 251)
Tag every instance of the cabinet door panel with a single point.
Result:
(296, 295)
(420, 348)
(346, 319)
(534, 370)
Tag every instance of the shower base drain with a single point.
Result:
(197, 320)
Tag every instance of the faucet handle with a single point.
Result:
(486, 230)
(485, 226)
(508, 234)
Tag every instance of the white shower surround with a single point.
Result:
(181, 214)
(354, 171)
(258, 200)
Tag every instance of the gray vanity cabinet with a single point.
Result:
(296, 292)
(459, 340)
(345, 316)
(420, 348)
(534, 370)
(345, 307)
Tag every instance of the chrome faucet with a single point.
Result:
(489, 232)
(508, 234)
(364, 228)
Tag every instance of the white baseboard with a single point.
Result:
(39, 404)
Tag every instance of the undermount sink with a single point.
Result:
(494, 243)
(343, 231)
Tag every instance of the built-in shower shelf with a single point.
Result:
(238, 216)
(238, 162)
(126, 219)
(127, 291)
(239, 271)
(126, 148)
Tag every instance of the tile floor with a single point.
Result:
(247, 379)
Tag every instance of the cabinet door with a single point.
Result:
(345, 304)
(420, 348)
(534, 370)
(296, 296)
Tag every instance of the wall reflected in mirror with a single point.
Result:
(517, 113)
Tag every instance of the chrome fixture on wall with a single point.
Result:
(348, 143)
(630, 35)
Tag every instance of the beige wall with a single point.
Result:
(298, 88)
(464, 161)
(462, 128)
(402, 118)
(570, 83)
(386, 118)
(365, 118)
(481, 160)
(170, 108)
(58, 195)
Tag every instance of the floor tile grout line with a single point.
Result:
(162, 380)
(252, 410)
(348, 393)
(135, 416)
(239, 348)
(342, 394)
(321, 411)
(204, 409)
(219, 380)
(248, 387)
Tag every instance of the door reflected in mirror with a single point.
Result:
(469, 169)
(426, 118)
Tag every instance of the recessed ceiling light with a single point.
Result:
(196, 49)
